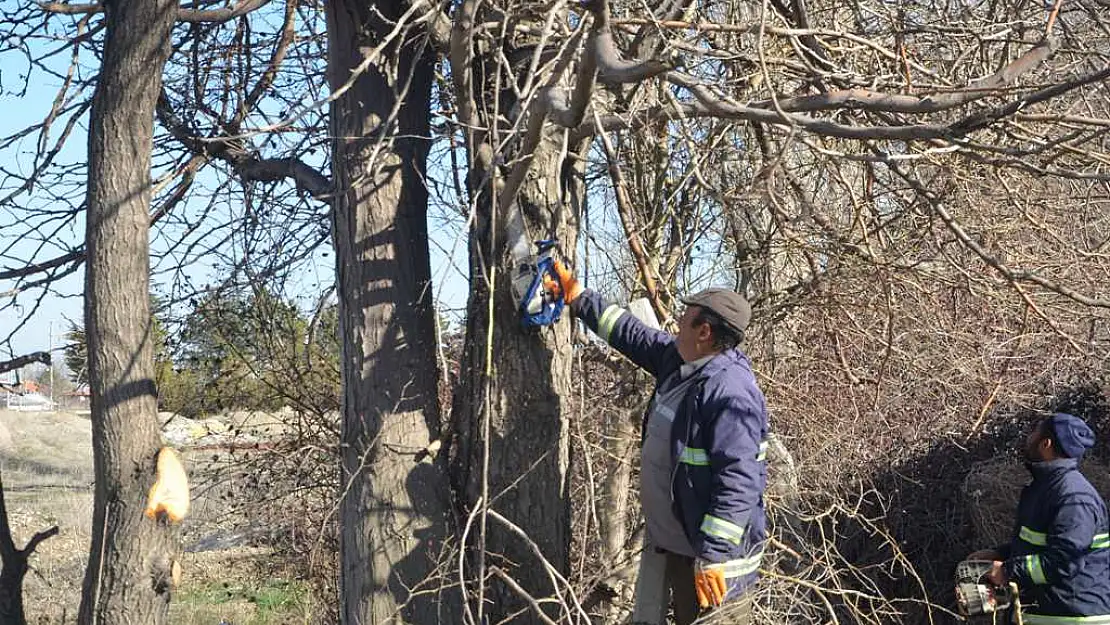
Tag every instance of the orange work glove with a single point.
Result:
(568, 284)
(709, 582)
(169, 496)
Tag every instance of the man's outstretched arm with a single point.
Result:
(647, 347)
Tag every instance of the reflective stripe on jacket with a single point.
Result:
(717, 441)
(1060, 552)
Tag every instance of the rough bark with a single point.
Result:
(528, 407)
(394, 512)
(125, 581)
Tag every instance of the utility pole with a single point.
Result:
(51, 365)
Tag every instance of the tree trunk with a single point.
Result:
(15, 563)
(126, 580)
(621, 443)
(395, 508)
(528, 401)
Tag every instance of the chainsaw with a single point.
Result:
(536, 285)
(977, 596)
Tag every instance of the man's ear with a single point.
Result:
(705, 332)
(1046, 444)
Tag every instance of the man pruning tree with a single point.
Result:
(703, 460)
(1060, 552)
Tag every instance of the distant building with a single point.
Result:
(29, 402)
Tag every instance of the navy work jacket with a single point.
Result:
(718, 441)
(1060, 552)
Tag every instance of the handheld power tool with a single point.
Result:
(976, 595)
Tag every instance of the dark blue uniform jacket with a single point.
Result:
(718, 441)
(1060, 552)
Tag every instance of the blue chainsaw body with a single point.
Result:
(539, 306)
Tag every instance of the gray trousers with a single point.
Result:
(667, 579)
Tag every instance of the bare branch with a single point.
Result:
(305, 176)
(634, 23)
(612, 67)
(53, 263)
(237, 153)
(23, 361)
(523, 594)
(192, 16)
(981, 120)
(635, 245)
(868, 100)
(1013, 275)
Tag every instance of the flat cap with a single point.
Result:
(728, 305)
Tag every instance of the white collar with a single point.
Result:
(689, 368)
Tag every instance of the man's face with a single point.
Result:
(692, 338)
(1037, 446)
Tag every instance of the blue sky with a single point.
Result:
(37, 318)
(64, 302)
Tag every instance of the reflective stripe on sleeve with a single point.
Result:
(1033, 538)
(694, 456)
(1044, 619)
(608, 320)
(1033, 567)
(739, 567)
(1101, 541)
(762, 455)
(721, 528)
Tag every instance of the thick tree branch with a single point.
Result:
(538, 112)
(612, 68)
(53, 263)
(572, 115)
(799, 15)
(615, 70)
(220, 15)
(305, 176)
(439, 30)
(192, 16)
(237, 153)
(867, 100)
(982, 120)
(462, 63)
(709, 104)
(635, 23)
(23, 361)
(281, 49)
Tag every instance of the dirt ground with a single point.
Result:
(47, 469)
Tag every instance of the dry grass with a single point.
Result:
(48, 478)
(46, 462)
